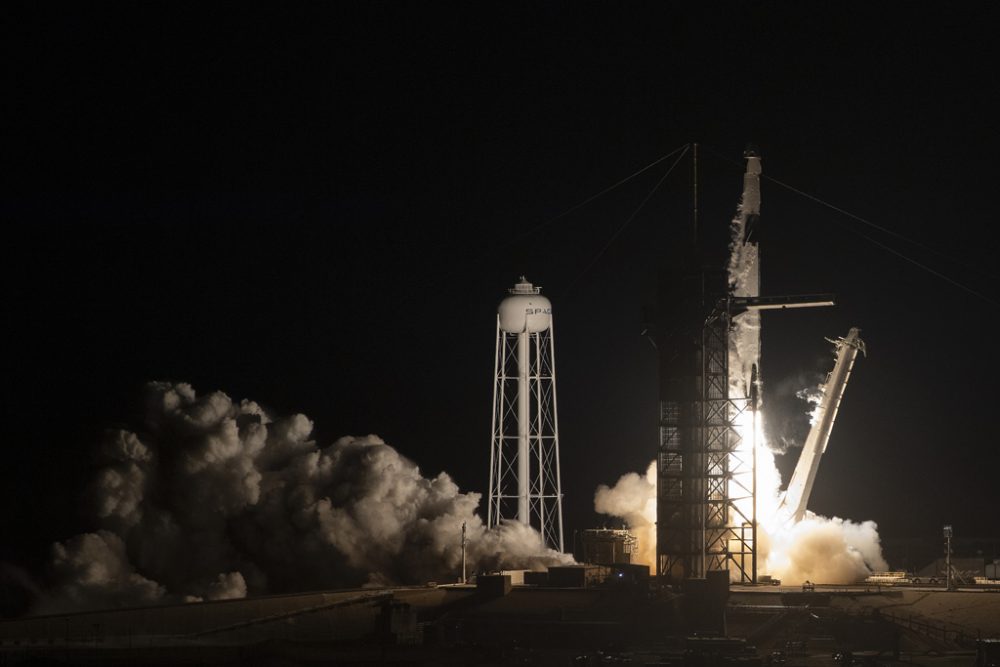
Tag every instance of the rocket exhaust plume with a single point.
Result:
(215, 499)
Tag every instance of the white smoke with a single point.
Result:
(813, 396)
(633, 498)
(823, 550)
(787, 424)
(818, 549)
(214, 499)
(95, 572)
(744, 281)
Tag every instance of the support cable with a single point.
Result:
(605, 191)
(625, 224)
(542, 225)
(928, 269)
(871, 224)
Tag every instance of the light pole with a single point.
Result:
(947, 557)
(464, 579)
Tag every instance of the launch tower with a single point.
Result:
(525, 484)
(708, 336)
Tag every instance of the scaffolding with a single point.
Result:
(704, 476)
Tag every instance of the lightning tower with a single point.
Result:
(525, 485)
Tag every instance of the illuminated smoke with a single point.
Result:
(823, 550)
(787, 424)
(827, 550)
(818, 549)
(95, 572)
(215, 499)
(813, 396)
(633, 498)
(744, 281)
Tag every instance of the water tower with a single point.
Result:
(524, 456)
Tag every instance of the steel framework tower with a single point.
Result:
(705, 474)
(702, 520)
(525, 483)
(709, 341)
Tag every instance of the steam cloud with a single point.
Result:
(818, 549)
(214, 499)
(633, 498)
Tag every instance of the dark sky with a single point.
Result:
(315, 210)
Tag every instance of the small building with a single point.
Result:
(608, 546)
(516, 576)
(536, 578)
(493, 585)
(629, 574)
(965, 569)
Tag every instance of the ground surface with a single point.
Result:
(780, 626)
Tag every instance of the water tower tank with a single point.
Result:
(525, 310)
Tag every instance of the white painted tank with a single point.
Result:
(525, 310)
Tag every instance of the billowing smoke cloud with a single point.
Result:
(823, 550)
(214, 499)
(95, 572)
(633, 498)
(817, 549)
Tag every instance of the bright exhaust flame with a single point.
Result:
(818, 549)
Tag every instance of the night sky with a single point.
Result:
(320, 211)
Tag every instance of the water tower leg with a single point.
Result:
(523, 425)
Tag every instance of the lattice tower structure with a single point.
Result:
(700, 526)
(705, 473)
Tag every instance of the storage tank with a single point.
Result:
(608, 546)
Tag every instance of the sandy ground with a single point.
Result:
(976, 611)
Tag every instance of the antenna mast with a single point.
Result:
(694, 195)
